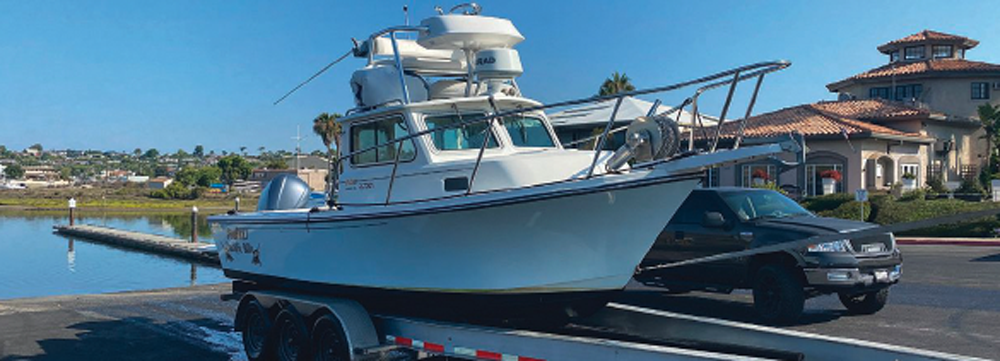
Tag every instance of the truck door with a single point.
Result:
(691, 235)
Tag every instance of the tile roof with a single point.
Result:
(921, 67)
(928, 35)
(826, 118)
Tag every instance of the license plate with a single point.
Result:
(882, 276)
(872, 248)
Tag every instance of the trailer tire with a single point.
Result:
(255, 328)
(778, 295)
(291, 337)
(865, 303)
(328, 340)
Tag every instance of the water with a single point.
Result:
(36, 262)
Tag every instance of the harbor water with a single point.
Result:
(36, 262)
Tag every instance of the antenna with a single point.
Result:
(406, 15)
(298, 147)
(342, 57)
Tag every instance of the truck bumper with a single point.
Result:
(852, 277)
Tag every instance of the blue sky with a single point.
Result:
(117, 75)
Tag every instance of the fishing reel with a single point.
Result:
(646, 139)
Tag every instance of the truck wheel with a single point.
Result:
(329, 341)
(865, 303)
(778, 295)
(292, 338)
(255, 329)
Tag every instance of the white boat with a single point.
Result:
(429, 215)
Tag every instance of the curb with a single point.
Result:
(982, 242)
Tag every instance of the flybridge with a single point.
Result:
(466, 53)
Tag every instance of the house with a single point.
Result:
(871, 143)
(316, 178)
(929, 69)
(574, 125)
(159, 183)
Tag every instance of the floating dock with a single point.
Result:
(152, 243)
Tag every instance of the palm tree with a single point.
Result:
(328, 129)
(243, 149)
(617, 83)
(990, 117)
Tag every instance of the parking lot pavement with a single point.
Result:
(170, 324)
(948, 300)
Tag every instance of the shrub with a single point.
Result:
(770, 185)
(915, 195)
(759, 173)
(177, 191)
(849, 210)
(936, 185)
(909, 176)
(827, 202)
(971, 186)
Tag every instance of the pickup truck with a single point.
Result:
(720, 220)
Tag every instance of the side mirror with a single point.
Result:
(713, 220)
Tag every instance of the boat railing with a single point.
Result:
(730, 78)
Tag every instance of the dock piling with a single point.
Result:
(194, 224)
(72, 206)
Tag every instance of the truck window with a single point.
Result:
(380, 132)
(694, 208)
(528, 131)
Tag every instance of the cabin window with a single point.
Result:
(528, 131)
(465, 137)
(942, 51)
(380, 132)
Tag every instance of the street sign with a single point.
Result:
(861, 195)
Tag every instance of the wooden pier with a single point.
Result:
(152, 243)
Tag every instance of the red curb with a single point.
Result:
(944, 242)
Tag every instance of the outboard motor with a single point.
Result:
(285, 191)
(646, 139)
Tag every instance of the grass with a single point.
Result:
(117, 198)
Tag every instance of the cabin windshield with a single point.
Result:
(528, 131)
(466, 137)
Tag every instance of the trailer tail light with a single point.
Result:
(456, 350)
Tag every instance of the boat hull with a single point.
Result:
(558, 246)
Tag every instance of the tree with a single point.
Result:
(260, 150)
(181, 154)
(199, 151)
(137, 152)
(328, 129)
(199, 176)
(243, 150)
(14, 171)
(617, 83)
(151, 154)
(234, 167)
(36, 146)
(990, 117)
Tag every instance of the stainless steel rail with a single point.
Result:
(735, 75)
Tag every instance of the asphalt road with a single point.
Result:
(949, 301)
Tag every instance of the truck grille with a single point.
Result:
(883, 243)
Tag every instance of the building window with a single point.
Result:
(878, 93)
(379, 132)
(980, 90)
(757, 174)
(913, 169)
(909, 92)
(942, 51)
(711, 178)
(913, 53)
(814, 183)
(894, 56)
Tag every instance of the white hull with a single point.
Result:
(585, 235)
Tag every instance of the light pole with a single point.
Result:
(72, 207)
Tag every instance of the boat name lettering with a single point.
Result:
(236, 234)
(354, 184)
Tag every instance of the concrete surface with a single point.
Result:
(949, 301)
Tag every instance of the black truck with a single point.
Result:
(720, 220)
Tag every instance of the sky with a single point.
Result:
(120, 75)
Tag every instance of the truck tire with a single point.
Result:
(778, 295)
(865, 303)
(255, 330)
(291, 337)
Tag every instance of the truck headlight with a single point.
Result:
(835, 246)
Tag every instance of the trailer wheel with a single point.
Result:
(292, 336)
(328, 340)
(255, 329)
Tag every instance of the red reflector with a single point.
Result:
(486, 355)
(522, 358)
(404, 341)
(433, 347)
